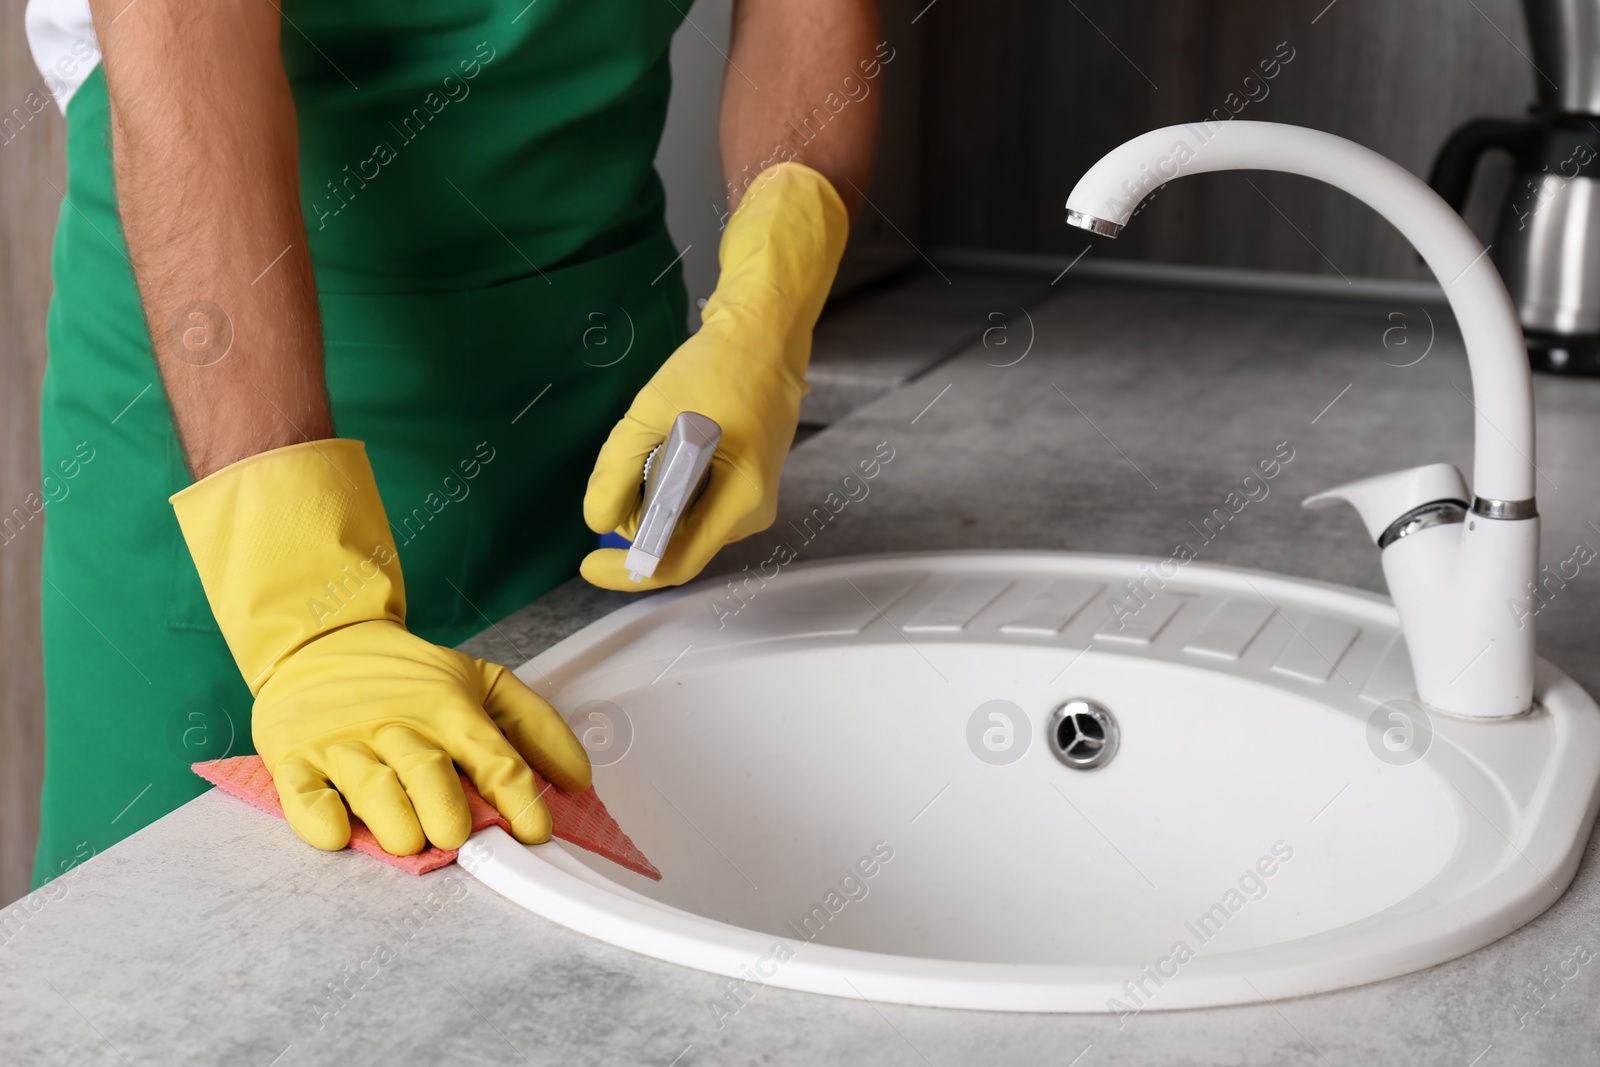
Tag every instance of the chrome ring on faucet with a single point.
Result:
(1093, 223)
(1505, 509)
(1433, 513)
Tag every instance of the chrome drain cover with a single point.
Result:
(1083, 734)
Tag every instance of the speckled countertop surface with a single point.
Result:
(211, 936)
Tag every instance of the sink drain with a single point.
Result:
(1083, 734)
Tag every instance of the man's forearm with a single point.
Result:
(802, 85)
(205, 150)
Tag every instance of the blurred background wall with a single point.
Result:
(32, 169)
(991, 113)
(1021, 98)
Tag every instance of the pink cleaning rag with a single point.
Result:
(580, 818)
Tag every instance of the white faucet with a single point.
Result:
(1459, 572)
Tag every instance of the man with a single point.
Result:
(363, 259)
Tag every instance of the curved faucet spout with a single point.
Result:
(1461, 575)
(1503, 471)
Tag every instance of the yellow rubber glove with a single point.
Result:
(294, 550)
(745, 368)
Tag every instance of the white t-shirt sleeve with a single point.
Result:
(61, 38)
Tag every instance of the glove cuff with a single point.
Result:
(290, 544)
(779, 254)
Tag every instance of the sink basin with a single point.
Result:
(854, 781)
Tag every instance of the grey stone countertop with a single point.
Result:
(212, 936)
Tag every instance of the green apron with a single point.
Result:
(493, 271)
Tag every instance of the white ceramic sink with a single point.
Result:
(1279, 817)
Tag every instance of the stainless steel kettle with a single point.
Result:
(1547, 243)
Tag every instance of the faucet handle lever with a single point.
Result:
(1383, 498)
